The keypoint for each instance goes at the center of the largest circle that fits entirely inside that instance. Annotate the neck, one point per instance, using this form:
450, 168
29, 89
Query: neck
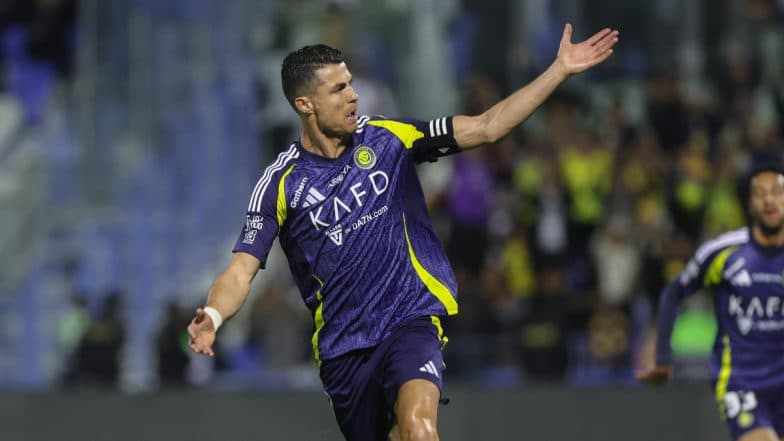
319, 143
773, 240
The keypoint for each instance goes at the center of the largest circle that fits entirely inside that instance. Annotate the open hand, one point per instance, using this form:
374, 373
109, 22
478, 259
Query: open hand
578, 57
202, 333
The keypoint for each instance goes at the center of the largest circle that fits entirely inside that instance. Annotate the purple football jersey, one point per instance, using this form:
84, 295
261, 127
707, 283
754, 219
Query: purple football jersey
356, 232
747, 280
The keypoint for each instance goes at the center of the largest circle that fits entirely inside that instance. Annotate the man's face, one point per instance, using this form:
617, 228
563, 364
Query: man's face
335, 101
766, 203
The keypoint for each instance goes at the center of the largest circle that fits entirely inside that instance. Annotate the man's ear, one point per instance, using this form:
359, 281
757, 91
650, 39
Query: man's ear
303, 105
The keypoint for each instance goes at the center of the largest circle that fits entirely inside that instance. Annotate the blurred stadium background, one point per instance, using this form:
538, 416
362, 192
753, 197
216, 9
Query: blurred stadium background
132, 131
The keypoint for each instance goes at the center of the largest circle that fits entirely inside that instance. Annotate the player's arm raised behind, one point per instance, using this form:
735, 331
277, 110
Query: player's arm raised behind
499, 120
227, 294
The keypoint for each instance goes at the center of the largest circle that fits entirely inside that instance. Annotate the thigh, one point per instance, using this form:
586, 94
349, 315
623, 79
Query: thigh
352, 384
416, 411
414, 354
759, 434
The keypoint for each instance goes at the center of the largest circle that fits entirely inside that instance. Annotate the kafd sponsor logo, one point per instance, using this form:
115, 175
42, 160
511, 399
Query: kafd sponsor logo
330, 213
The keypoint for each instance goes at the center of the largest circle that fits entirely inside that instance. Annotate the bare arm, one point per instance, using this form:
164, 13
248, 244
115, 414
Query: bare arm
227, 294
499, 120
232, 286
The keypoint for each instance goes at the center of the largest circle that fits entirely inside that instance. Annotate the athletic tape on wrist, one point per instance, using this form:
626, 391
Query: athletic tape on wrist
217, 320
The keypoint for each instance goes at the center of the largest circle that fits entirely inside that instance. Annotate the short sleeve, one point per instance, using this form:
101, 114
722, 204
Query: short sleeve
706, 267
262, 220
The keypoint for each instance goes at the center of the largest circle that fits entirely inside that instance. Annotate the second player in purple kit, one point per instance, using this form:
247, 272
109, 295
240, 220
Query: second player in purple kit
745, 271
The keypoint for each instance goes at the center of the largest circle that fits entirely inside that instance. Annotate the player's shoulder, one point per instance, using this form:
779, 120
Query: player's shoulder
282, 162
712, 247
284, 156
435, 126
373, 122
267, 184
406, 130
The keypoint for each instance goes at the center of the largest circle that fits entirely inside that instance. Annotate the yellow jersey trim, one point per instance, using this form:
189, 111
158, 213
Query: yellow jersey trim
406, 133
437, 323
716, 268
433, 285
724, 373
282, 197
318, 318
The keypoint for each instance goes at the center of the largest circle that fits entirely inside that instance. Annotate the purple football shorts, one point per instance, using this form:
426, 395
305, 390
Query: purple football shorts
362, 385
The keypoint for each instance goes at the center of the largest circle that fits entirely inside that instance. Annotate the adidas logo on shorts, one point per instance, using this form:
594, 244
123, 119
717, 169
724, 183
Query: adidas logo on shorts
429, 367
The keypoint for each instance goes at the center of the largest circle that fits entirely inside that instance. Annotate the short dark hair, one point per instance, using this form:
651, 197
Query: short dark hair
299, 68
745, 190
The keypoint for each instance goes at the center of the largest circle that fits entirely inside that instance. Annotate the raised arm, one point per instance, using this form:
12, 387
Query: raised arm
499, 120
227, 294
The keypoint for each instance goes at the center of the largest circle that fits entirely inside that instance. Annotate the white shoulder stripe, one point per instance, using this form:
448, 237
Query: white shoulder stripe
432, 133
286, 160
266, 174
361, 122
261, 185
443, 126
735, 237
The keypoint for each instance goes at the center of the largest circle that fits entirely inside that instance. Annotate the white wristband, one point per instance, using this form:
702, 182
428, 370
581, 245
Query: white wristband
217, 320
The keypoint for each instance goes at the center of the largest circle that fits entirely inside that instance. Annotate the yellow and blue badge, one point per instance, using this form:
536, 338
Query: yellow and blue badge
364, 157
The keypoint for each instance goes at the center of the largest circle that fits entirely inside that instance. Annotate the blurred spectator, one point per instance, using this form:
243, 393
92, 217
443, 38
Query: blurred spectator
50, 34
667, 111
541, 208
502, 320
173, 350
517, 264
467, 345
97, 357
278, 326
618, 261
585, 168
469, 201
723, 211
609, 341
689, 186
545, 328
70, 331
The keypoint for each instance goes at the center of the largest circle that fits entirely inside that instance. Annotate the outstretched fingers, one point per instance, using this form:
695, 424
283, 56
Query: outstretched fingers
601, 56
606, 42
595, 38
603, 47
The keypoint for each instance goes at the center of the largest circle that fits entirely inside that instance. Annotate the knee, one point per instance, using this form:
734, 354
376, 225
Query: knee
422, 429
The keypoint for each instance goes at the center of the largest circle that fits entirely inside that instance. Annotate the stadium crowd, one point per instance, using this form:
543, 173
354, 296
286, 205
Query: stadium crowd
562, 235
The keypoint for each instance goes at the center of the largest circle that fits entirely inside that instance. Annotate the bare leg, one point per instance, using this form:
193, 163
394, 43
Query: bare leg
394, 434
760, 434
416, 412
